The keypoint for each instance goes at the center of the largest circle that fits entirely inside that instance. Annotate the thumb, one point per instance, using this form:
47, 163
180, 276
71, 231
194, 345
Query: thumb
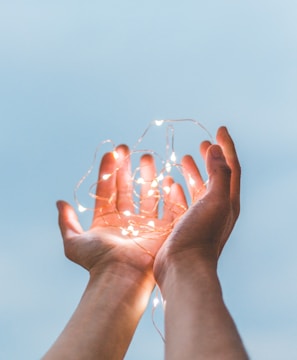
68, 221
218, 171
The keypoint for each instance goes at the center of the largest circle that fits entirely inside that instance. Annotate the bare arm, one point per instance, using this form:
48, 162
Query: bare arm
105, 320
197, 322
121, 272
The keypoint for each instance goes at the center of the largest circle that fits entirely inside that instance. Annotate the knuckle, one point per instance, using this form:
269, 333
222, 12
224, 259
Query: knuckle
226, 170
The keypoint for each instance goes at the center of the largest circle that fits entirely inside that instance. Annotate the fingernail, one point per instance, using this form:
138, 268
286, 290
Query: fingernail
227, 131
58, 204
216, 151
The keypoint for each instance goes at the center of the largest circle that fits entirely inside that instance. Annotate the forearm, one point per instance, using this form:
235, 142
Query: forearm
197, 322
105, 320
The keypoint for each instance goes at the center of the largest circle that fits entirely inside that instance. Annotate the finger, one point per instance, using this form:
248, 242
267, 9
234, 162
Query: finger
219, 172
203, 148
192, 176
124, 180
106, 186
166, 185
177, 200
149, 190
227, 144
68, 221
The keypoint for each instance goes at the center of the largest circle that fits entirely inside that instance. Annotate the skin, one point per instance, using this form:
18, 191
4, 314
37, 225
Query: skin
185, 267
121, 272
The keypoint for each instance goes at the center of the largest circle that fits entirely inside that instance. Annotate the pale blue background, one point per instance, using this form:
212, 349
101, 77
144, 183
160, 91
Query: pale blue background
73, 73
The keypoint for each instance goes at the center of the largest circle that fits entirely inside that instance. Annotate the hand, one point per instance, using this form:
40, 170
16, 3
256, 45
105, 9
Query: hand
120, 263
104, 245
197, 322
203, 230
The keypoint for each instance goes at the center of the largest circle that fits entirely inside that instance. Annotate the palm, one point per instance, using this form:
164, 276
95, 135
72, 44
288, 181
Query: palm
118, 233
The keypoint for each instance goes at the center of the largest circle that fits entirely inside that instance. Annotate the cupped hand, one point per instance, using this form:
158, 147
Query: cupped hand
203, 230
105, 243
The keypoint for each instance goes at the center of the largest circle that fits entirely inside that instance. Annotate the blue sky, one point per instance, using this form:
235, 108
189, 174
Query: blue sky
75, 73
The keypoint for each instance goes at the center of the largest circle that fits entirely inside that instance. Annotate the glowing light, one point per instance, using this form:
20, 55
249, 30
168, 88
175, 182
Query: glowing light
130, 230
191, 181
140, 181
173, 157
139, 222
106, 176
81, 208
154, 183
151, 223
115, 154
168, 166
160, 177
166, 189
159, 122
156, 302
135, 232
150, 192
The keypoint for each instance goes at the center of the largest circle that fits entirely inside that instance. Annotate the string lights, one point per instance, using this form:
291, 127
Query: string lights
157, 300
134, 223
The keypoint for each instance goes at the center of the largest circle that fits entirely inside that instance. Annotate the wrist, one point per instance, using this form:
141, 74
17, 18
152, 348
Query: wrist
106, 318
186, 269
123, 277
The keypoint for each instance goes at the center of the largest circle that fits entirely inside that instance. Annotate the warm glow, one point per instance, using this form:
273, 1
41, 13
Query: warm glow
166, 189
168, 167
191, 181
151, 223
140, 181
159, 122
150, 192
156, 302
173, 157
146, 182
115, 154
154, 183
160, 177
130, 230
106, 176
81, 208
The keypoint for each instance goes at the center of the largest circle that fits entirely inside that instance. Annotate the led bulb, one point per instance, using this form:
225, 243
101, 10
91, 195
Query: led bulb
159, 122
191, 181
156, 302
81, 208
166, 189
168, 167
150, 192
154, 183
173, 157
140, 181
160, 177
134, 222
115, 154
151, 223
106, 176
